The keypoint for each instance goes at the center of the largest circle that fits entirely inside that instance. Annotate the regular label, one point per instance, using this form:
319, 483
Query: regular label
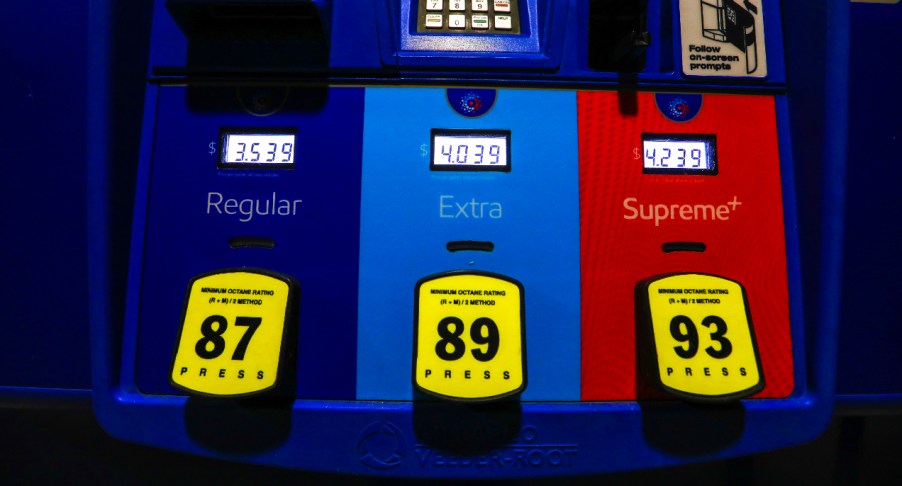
702, 344
469, 336
231, 340
723, 38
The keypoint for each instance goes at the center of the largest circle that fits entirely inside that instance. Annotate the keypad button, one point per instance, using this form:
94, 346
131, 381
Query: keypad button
480, 22
463, 17
502, 6
434, 21
457, 21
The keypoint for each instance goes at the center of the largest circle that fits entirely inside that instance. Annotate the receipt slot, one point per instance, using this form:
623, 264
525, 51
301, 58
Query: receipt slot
402, 238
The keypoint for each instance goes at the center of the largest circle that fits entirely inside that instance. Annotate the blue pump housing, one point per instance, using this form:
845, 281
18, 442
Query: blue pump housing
363, 101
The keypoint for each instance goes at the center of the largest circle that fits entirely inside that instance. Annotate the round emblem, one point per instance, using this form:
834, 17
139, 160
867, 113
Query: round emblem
471, 102
679, 107
381, 446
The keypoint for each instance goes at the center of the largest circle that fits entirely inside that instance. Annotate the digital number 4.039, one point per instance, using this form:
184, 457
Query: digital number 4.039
462, 154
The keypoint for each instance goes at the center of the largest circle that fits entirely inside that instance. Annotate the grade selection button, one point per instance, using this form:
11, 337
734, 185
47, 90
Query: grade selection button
434, 21
232, 340
503, 22
696, 338
469, 336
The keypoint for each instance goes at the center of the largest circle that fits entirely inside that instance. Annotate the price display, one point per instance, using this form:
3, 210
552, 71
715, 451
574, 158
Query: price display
469, 336
249, 149
471, 150
232, 337
679, 154
696, 337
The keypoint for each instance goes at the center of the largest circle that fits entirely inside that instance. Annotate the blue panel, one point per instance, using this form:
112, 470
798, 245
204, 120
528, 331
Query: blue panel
43, 277
870, 331
317, 244
409, 214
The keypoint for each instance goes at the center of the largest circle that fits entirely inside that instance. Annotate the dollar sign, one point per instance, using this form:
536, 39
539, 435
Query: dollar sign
423, 150
212, 148
636, 153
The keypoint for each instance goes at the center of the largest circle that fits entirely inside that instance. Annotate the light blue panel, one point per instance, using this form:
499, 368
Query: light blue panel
404, 233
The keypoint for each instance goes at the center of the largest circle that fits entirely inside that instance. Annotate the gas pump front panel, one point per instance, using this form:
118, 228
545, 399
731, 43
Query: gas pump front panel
427, 244
388, 276
471, 238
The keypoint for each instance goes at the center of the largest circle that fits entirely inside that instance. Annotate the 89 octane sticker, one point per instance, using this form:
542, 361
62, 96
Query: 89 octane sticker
469, 340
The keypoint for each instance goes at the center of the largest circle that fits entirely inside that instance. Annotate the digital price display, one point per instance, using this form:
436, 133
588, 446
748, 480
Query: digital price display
471, 150
247, 148
679, 154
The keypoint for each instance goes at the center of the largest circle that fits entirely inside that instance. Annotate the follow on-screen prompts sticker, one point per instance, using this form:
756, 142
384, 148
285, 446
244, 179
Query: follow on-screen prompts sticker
232, 338
696, 337
469, 339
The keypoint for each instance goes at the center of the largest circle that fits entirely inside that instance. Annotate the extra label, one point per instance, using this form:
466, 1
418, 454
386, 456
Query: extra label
696, 337
231, 341
723, 38
469, 340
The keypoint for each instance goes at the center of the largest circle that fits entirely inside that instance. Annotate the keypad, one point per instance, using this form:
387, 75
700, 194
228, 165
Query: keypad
468, 17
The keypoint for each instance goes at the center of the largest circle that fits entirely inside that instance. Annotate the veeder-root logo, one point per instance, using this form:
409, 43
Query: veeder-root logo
381, 446
471, 102
525, 452
679, 107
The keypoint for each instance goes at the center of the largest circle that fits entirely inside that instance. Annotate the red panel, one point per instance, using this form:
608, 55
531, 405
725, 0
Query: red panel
746, 244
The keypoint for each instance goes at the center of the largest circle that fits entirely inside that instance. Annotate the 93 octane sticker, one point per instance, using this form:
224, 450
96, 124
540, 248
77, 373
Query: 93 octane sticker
469, 336
231, 339
699, 343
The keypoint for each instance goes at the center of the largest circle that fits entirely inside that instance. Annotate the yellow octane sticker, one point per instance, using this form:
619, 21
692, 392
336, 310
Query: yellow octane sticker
231, 338
703, 337
469, 334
